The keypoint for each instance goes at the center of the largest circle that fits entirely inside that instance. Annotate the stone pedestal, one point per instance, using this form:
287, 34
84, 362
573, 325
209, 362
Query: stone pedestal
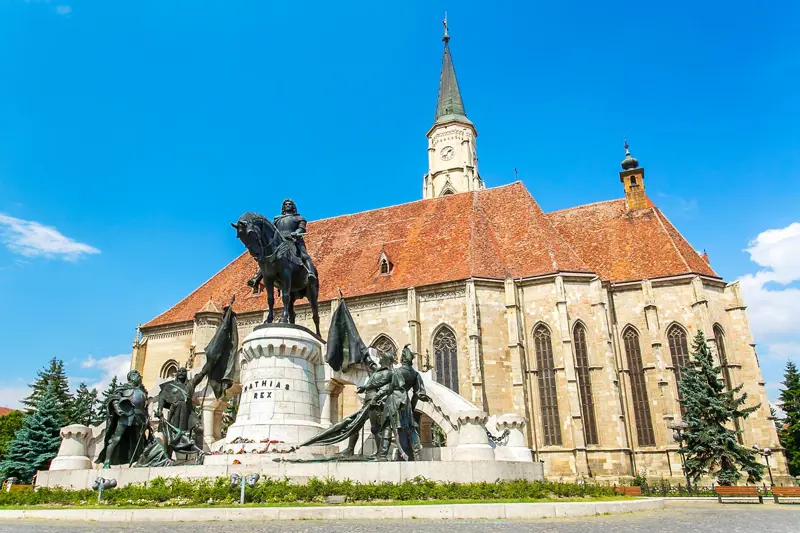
473, 443
280, 400
513, 448
72, 454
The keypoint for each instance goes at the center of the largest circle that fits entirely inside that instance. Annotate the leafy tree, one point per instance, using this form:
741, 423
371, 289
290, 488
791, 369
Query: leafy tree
789, 433
85, 407
103, 414
9, 425
709, 412
36, 444
52, 374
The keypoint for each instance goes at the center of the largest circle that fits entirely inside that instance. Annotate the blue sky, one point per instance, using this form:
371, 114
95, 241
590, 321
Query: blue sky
131, 134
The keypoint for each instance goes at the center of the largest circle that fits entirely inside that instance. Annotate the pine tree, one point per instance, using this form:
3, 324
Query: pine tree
36, 444
103, 415
85, 407
790, 430
709, 411
51, 374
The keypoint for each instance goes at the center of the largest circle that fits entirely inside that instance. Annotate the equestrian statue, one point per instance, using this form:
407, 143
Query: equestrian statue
283, 261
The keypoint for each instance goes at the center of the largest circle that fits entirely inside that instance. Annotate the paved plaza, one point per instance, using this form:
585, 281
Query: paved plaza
679, 517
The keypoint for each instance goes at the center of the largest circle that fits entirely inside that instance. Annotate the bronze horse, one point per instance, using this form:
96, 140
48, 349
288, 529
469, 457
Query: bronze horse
279, 265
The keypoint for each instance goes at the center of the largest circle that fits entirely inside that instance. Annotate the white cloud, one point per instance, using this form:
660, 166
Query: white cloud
63, 10
12, 396
108, 367
783, 351
773, 304
32, 239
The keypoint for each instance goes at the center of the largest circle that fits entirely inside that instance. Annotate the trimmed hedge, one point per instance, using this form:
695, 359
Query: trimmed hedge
177, 492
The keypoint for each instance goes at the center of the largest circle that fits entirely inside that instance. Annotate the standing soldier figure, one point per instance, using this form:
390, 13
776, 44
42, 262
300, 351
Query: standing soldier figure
413, 384
126, 422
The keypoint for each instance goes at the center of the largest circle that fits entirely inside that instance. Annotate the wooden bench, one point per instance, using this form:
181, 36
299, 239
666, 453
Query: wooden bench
785, 492
738, 493
628, 491
21, 487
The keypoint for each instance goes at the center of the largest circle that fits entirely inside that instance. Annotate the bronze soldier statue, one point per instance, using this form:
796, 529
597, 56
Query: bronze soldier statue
374, 414
391, 397
292, 226
181, 427
413, 384
125, 423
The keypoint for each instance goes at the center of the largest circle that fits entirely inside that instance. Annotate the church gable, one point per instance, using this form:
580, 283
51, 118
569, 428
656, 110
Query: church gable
622, 245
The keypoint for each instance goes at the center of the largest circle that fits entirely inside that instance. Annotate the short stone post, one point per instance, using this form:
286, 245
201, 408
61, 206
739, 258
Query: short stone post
211, 419
512, 447
473, 442
72, 453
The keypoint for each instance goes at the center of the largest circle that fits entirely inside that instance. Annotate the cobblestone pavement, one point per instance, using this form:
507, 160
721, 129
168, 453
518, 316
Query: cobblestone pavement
677, 518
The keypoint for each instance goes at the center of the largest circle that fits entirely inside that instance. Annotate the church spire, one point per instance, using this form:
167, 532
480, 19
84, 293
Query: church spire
452, 152
449, 106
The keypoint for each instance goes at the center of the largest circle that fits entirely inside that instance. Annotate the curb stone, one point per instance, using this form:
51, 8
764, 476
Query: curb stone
486, 511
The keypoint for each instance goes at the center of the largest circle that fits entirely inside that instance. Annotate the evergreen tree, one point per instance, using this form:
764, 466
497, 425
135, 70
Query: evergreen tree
9, 425
54, 374
778, 421
36, 444
709, 411
789, 433
85, 407
103, 415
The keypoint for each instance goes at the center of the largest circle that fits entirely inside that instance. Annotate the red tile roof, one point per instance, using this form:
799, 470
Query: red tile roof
492, 233
5, 410
622, 246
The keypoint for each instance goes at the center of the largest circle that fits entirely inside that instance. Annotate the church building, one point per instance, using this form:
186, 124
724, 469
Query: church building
578, 321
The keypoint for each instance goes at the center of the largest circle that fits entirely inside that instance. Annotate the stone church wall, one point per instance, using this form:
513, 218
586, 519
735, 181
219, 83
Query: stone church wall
494, 324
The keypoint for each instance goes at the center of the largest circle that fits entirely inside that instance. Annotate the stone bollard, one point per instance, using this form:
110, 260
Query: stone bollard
473, 443
512, 448
72, 452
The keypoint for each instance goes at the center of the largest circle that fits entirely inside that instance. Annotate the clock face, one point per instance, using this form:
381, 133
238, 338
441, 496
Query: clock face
447, 153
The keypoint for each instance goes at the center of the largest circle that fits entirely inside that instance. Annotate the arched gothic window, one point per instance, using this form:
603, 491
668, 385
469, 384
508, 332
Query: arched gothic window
384, 343
641, 404
446, 355
584, 383
169, 369
679, 350
548, 397
719, 338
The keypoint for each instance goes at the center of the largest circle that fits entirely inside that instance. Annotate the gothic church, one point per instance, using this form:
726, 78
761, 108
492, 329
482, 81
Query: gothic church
578, 320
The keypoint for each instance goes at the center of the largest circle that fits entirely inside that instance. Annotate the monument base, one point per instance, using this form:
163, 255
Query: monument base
301, 473
279, 400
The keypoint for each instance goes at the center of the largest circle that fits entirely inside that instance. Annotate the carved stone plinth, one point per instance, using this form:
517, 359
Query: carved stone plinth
279, 399
513, 447
72, 454
473, 444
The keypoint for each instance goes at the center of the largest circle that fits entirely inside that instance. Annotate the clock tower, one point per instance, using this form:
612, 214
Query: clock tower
452, 152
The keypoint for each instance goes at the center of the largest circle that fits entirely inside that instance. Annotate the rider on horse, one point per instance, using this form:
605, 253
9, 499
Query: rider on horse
292, 226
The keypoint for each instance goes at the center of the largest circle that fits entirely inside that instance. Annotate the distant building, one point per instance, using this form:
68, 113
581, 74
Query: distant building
577, 320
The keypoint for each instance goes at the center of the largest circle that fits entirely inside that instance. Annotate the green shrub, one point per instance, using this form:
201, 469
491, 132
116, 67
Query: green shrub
174, 491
